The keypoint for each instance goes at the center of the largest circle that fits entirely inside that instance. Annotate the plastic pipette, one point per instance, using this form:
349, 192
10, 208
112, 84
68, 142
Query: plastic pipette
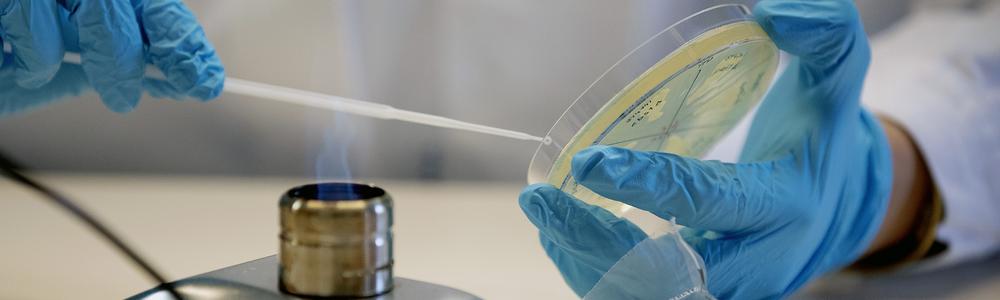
358, 107
336, 103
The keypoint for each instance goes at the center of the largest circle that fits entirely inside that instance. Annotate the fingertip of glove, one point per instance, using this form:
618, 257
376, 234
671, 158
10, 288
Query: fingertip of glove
805, 28
210, 88
36, 78
588, 159
809, 12
532, 200
120, 107
534, 188
201, 81
121, 99
547, 207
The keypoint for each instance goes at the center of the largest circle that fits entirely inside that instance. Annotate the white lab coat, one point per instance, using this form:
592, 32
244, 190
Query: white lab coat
938, 73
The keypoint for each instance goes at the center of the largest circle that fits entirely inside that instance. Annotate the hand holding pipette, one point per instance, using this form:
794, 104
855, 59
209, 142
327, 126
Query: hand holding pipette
115, 39
335, 103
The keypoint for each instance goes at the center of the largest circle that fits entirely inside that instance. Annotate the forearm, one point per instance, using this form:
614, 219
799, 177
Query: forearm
911, 187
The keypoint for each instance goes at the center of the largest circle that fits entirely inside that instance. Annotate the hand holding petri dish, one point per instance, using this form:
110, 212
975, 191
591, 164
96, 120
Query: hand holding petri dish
679, 92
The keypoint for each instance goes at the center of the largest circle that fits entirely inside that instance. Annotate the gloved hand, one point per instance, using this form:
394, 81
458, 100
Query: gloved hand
115, 38
807, 197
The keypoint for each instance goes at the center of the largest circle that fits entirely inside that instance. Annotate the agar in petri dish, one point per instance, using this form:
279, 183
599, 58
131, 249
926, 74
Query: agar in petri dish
680, 92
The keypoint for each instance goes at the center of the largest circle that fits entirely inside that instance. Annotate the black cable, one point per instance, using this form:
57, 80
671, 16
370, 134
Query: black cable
14, 172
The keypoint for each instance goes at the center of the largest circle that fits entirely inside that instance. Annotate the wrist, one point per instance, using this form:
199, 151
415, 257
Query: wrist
912, 212
910, 187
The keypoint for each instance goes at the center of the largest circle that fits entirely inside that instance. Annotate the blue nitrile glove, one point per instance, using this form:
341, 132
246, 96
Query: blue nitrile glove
115, 38
807, 197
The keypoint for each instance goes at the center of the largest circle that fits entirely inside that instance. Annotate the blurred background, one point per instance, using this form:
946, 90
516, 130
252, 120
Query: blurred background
510, 64
195, 185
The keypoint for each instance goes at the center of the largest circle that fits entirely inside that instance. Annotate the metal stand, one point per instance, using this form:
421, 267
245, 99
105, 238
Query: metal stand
258, 279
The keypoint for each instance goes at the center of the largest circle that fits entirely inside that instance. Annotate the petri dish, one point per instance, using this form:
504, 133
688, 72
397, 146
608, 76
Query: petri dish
680, 91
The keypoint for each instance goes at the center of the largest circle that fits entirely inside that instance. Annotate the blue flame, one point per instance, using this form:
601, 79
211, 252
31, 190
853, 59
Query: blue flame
333, 160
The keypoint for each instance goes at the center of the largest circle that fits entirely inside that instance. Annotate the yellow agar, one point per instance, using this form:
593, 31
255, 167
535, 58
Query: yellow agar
683, 104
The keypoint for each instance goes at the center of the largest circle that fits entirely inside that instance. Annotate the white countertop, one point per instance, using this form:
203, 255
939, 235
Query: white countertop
467, 235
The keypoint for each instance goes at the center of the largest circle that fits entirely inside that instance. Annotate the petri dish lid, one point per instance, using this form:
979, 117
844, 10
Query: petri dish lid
680, 91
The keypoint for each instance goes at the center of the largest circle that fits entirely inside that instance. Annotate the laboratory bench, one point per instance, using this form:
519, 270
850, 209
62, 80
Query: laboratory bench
467, 235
